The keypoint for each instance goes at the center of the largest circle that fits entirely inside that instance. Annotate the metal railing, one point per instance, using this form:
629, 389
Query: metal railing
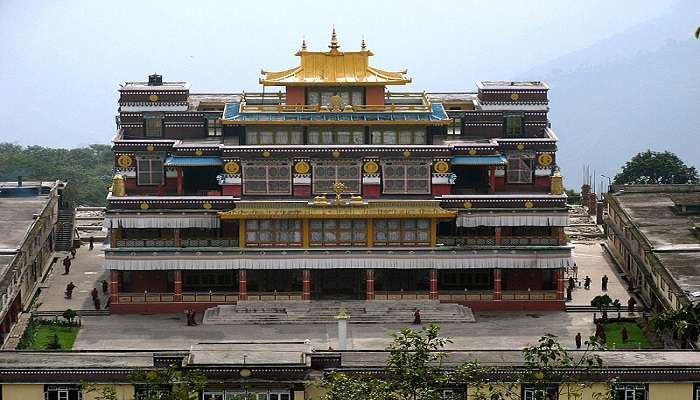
528, 241
275, 103
171, 243
529, 295
469, 295
273, 296
190, 297
401, 295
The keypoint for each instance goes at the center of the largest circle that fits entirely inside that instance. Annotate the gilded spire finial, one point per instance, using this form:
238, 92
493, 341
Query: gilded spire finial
303, 44
364, 45
334, 41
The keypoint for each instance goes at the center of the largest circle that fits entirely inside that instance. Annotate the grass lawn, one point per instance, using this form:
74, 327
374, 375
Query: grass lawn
44, 334
636, 338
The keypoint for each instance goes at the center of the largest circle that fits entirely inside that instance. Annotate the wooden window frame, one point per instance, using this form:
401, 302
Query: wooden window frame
354, 132
402, 241
266, 178
512, 129
274, 231
150, 172
525, 167
406, 177
336, 165
354, 230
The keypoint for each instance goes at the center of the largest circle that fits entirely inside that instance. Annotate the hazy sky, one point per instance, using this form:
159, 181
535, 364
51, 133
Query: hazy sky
61, 61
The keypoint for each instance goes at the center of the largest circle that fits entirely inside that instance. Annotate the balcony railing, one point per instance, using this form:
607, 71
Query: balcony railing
470, 295
275, 103
273, 296
401, 295
208, 243
213, 297
171, 243
529, 241
460, 241
529, 295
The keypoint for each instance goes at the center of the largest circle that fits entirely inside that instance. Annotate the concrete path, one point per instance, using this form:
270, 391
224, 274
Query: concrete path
592, 260
86, 273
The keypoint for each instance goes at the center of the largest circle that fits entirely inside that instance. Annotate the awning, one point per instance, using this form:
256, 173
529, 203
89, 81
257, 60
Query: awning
200, 161
162, 221
334, 261
470, 220
479, 160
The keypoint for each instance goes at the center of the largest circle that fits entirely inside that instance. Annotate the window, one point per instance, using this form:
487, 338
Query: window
336, 135
635, 391
149, 171
273, 233
549, 392
274, 135
696, 391
258, 395
513, 124
213, 395
62, 392
143, 392
153, 125
342, 232
406, 177
322, 96
214, 127
520, 166
398, 232
453, 394
398, 136
325, 175
261, 178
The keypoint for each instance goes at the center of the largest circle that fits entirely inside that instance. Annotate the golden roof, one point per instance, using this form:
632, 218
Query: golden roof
334, 68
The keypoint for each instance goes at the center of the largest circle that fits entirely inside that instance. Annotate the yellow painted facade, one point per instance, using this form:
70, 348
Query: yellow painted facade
671, 391
22, 392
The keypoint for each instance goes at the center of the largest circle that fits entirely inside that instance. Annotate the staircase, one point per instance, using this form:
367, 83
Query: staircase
325, 311
64, 230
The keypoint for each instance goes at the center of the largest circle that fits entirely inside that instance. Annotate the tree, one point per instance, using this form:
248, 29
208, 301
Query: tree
415, 371
54, 344
169, 384
652, 167
69, 315
602, 303
683, 324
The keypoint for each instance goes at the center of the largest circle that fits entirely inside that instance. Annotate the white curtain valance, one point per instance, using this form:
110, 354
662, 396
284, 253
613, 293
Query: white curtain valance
511, 219
396, 262
162, 221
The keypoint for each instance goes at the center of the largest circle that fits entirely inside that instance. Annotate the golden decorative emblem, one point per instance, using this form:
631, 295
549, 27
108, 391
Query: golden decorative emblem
514, 96
441, 167
198, 152
339, 188
231, 167
153, 97
407, 153
371, 167
150, 147
124, 161
545, 159
336, 103
302, 167
472, 152
207, 205
266, 154
528, 204
520, 146
144, 206
245, 372
467, 204
335, 153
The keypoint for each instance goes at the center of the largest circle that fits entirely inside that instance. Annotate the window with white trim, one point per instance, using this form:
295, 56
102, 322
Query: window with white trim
513, 124
340, 232
153, 125
336, 135
520, 167
62, 392
267, 178
325, 175
149, 171
273, 232
271, 134
398, 135
401, 232
406, 177
631, 391
322, 96
548, 392
214, 127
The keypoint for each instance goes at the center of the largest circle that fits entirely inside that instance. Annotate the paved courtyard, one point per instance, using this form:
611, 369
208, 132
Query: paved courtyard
493, 330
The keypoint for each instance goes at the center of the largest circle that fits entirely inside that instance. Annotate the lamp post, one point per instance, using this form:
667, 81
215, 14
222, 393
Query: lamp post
609, 181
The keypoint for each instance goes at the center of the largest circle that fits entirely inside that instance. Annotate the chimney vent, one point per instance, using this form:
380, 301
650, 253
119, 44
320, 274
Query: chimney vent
155, 80
19, 181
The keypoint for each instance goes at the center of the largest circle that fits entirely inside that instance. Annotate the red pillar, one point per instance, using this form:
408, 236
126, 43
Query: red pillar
114, 295
178, 286
560, 235
370, 284
242, 285
559, 283
180, 180
497, 284
492, 179
433, 285
306, 284
498, 235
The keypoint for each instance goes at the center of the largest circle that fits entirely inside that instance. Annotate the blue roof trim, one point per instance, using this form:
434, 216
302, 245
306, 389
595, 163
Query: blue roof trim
201, 161
479, 160
232, 113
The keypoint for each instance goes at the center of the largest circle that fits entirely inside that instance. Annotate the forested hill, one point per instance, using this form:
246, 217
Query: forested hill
87, 170
634, 91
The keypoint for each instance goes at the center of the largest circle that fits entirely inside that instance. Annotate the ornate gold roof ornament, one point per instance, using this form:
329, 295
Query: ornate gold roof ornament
363, 46
303, 44
334, 46
118, 185
339, 188
557, 183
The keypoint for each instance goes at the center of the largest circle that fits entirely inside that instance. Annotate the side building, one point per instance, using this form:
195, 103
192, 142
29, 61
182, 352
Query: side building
335, 187
653, 233
29, 214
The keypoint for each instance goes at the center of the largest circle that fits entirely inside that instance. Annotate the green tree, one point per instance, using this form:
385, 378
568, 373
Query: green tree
683, 324
69, 315
54, 344
169, 384
651, 167
602, 303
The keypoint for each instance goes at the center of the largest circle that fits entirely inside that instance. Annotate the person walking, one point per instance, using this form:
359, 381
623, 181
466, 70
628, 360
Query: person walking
73, 251
416, 317
97, 303
66, 265
631, 303
625, 334
604, 283
105, 286
572, 283
92, 242
94, 294
587, 283
69, 290
577, 339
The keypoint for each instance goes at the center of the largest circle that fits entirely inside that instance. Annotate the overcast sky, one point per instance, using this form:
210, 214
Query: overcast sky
61, 61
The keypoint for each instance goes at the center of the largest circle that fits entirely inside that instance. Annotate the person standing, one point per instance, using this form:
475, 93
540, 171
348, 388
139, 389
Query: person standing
66, 265
578, 340
73, 251
572, 283
604, 283
631, 303
92, 242
69, 289
416, 317
587, 283
105, 286
625, 335
94, 294
97, 303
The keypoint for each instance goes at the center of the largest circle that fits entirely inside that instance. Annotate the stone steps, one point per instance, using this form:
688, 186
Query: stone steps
324, 312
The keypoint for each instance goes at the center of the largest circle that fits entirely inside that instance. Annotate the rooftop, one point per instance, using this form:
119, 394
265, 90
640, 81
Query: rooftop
144, 86
512, 85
